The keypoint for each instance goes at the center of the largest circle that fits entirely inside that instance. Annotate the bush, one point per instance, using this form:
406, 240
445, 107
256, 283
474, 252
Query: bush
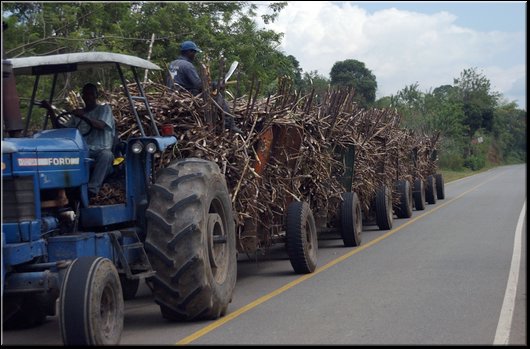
451, 161
475, 162
515, 157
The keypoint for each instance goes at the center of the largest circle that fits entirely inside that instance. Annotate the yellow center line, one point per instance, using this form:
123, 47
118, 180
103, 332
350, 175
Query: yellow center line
227, 318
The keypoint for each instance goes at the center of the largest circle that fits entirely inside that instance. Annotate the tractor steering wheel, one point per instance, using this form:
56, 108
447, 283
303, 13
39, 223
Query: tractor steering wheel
84, 127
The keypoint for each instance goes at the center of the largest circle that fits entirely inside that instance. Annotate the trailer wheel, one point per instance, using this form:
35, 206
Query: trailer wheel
430, 190
383, 208
91, 303
302, 241
191, 241
440, 186
351, 223
405, 199
419, 195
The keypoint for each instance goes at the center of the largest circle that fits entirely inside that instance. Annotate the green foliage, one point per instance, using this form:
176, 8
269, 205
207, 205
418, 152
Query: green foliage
353, 73
317, 82
276, 8
509, 128
451, 155
462, 113
385, 102
223, 30
475, 162
478, 101
451, 160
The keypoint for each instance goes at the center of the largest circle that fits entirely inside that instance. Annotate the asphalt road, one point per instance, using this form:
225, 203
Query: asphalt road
439, 277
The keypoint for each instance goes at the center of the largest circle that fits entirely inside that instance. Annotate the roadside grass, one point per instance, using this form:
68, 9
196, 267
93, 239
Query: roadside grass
453, 175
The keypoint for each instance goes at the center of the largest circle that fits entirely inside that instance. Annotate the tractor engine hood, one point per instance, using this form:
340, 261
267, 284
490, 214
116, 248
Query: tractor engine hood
58, 158
49, 140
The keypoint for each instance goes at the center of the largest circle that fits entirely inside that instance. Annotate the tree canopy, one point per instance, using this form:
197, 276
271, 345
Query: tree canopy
353, 73
476, 126
220, 29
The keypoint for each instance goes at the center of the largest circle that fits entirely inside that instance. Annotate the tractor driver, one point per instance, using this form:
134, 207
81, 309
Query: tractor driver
98, 128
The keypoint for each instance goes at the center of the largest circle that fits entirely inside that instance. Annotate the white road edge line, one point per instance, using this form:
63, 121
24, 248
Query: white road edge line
502, 335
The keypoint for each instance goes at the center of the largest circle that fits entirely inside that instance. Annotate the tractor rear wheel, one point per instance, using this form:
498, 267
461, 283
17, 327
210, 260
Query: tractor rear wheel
302, 240
419, 195
405, 199
351, 223
191, 241
383, 208
91, 303
430, 190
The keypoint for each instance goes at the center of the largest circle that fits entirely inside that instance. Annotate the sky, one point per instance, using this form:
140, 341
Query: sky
404, 43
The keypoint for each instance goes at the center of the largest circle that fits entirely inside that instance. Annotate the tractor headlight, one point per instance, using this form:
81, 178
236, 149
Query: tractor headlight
150, 148
137, 147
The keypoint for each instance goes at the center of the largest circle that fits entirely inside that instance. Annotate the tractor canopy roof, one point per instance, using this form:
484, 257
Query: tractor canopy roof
69, 62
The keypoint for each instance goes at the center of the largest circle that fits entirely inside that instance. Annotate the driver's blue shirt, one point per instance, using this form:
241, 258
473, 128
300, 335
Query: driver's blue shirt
97, 139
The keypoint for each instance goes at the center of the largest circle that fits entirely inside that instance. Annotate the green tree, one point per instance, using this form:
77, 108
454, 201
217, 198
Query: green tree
436, 111
223, 30
353, 73
312, 80
478, 101
295, 70
463, 113
509, 129
444, 112
385, 102
410, 102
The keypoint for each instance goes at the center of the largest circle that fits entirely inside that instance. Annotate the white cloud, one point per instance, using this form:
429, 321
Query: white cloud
399, 47
510, 82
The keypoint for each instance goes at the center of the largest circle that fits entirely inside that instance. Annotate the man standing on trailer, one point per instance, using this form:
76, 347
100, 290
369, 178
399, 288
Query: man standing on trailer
184, 75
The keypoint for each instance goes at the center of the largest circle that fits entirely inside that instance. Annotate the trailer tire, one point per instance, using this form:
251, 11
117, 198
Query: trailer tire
419, 195
440, 186
91, 303
191, 241
430, 190
405, 199
351, 222
383, 208
301, 235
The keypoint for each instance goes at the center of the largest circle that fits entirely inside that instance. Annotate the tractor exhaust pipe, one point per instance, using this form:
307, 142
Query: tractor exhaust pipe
10, 102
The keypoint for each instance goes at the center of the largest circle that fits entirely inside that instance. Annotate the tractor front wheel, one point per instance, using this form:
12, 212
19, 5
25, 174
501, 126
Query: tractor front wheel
91, 303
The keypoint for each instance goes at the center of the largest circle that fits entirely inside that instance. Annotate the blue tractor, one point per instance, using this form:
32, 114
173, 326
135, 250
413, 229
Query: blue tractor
61, 254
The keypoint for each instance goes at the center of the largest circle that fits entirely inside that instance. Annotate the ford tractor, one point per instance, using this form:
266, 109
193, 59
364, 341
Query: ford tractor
63, 255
